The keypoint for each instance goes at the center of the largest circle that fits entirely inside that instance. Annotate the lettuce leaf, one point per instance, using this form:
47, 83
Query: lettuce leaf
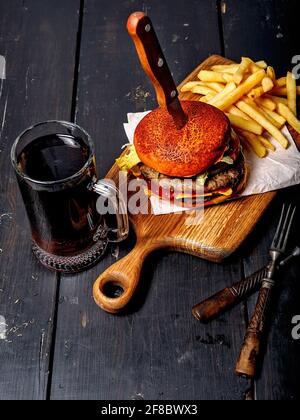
201, 179
129, 160
228, 160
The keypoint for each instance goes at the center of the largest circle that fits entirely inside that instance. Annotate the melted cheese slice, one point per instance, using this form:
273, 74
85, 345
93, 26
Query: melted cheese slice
222, 191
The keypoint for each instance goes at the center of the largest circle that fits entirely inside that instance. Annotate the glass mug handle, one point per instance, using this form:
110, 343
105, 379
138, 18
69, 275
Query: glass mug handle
109, 191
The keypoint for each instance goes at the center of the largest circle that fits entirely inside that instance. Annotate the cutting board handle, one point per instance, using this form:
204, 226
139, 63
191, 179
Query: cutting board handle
123, 276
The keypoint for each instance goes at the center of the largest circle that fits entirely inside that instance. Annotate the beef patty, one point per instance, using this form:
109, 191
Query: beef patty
226, 176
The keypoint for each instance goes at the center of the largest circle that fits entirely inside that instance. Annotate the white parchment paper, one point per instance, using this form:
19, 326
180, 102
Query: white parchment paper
280, 169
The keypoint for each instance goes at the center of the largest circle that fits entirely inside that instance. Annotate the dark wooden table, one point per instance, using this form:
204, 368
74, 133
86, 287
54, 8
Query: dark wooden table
73, 60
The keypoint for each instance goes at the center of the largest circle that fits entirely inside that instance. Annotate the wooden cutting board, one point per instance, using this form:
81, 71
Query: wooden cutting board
220, 233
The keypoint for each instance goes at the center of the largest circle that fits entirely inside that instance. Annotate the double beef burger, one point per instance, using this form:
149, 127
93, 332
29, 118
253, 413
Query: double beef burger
206, 151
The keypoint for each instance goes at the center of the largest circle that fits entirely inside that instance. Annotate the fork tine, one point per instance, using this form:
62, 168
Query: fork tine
283, 230
284, 227
278, 230
289, 228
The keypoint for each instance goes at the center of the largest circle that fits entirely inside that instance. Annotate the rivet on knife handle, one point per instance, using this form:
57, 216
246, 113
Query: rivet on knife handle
153, 61
213, 306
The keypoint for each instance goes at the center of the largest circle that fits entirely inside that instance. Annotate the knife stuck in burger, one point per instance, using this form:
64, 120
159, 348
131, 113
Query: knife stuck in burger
181, 140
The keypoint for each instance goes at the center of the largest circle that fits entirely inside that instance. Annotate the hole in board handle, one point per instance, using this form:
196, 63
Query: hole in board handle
112, 289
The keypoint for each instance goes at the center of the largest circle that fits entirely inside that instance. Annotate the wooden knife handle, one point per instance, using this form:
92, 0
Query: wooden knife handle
249, 356
122, 277
223, 300
141, 30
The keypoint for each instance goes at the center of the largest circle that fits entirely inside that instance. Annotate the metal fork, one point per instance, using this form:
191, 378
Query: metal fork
249, 356
226, 298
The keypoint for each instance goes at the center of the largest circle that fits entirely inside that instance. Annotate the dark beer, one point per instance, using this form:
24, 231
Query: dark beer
56, 172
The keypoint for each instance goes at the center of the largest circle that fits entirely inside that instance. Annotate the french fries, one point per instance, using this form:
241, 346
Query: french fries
291, 92
254, 143
259, 144
271, 73
218, 87
211, 76
277, 99
190, 85
267, 84
243, 67
233, 110
262, 111
232, 68
262, 64
289, 116
240, 91
248, 125
256, 93
254, 67
266, 103
221, 95
206, 98
257, 104
225, 68
202, 90
281, 82
228, 77
273, 116
279, 91
264, 122
266, 143
282, 91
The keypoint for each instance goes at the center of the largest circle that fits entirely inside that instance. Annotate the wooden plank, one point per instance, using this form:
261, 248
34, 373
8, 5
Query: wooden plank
274, 39
279, 378
38, 40
265, 30
119, 85
156, 350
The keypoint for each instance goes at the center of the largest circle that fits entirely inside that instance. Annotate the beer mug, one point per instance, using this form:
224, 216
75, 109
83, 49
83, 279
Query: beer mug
55, 166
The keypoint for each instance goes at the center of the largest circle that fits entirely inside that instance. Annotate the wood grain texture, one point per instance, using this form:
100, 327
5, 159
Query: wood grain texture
38, 41
269, 29
278, 376
156, 350
266, 29
219, 234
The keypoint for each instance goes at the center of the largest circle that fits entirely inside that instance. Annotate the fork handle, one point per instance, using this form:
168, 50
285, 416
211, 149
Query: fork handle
249, 356
223, 300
